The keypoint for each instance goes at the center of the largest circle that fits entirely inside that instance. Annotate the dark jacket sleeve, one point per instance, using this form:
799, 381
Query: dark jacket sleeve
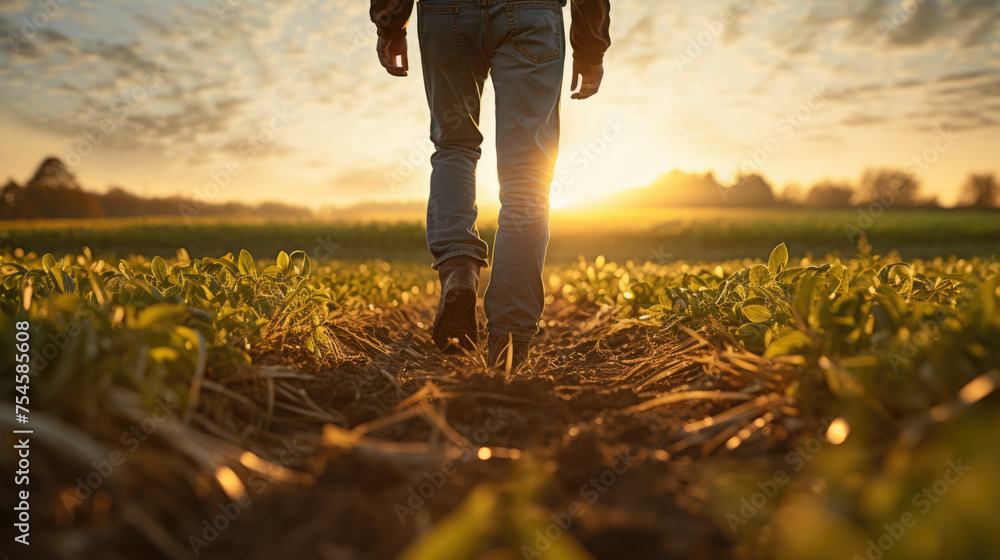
588, 34
391, 16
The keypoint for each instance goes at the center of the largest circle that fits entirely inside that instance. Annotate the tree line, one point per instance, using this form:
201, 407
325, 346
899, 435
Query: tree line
889, 187
53, 192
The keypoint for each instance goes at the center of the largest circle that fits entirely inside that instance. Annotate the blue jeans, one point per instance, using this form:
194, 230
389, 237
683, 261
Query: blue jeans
523, 45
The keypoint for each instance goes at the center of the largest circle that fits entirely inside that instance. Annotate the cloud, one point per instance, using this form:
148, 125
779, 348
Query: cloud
862, 119
23, 39
225, 71
907, 23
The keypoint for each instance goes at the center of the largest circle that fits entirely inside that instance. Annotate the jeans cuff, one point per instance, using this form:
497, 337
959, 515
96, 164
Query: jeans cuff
459, 253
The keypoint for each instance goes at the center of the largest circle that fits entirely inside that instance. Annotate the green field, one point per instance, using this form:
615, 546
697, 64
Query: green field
654, 234
704, 385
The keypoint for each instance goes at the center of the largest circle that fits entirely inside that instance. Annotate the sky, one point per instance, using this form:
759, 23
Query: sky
281, 100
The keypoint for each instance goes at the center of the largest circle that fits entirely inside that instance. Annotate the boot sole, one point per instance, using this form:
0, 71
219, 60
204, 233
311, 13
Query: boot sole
457, 319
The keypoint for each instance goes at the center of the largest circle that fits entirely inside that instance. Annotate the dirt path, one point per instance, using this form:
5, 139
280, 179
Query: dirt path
614, 414
586, 404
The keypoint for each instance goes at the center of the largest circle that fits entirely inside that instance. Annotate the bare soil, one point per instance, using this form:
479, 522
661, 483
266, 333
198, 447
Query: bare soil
614, 412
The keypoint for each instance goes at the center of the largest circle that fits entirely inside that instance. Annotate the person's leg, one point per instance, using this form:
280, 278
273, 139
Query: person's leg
455, 66
527, 71
455, 63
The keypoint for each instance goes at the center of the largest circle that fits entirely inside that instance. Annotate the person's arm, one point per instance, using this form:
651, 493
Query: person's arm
390, 18
589, 33
590, 38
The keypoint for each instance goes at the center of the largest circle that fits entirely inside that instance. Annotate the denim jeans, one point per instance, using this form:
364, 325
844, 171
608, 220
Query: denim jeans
522, 44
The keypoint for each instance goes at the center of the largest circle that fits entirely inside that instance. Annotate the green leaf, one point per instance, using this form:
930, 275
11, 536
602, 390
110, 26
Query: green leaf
246, 264
148, 288
66, 283
272, 271
163, 354
322, 336
795, 342
463, 533
161, 315
759, 275
779, 258
790, 274
227, 264
98, 288
125, 269
283, 261
756, 313
693, 283
804, 296
741, 290
10, 269
752, 335
894, 304
306, 265
48, 262
159, 268
884, 274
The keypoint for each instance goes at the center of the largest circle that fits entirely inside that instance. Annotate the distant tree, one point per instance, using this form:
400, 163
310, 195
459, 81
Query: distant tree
750, 190
890, 187
53, 174
791, 194
53, 192
119, 202
828, 194
57, 202
981, 191
675, 189
280, 209
15, 204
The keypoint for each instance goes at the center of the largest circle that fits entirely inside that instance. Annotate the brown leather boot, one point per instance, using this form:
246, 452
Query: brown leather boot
456, 314
500, 348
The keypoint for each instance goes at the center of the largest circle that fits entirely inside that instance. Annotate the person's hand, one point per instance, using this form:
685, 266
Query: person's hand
589, 77
388, 50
